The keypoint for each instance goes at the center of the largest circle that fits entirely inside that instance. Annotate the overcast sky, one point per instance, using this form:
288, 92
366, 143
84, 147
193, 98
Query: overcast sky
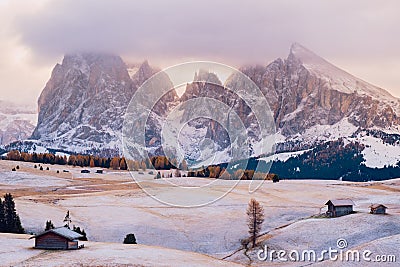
361, 36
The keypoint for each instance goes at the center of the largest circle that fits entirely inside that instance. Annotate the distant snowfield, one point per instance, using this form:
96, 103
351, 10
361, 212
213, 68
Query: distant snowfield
109, 206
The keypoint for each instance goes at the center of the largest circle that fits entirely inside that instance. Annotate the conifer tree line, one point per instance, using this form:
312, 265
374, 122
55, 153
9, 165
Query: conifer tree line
9, 219
73, 160
115, 163
156, 162
221, 173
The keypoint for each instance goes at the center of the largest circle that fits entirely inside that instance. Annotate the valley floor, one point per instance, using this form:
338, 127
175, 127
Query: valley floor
110, 205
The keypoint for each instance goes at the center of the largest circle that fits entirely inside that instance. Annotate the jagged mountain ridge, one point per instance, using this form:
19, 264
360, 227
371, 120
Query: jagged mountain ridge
298, 90
82, 106
314, 102
82, 103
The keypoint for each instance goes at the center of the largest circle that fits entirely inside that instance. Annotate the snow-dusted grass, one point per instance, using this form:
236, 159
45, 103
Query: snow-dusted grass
109, 206
16, 250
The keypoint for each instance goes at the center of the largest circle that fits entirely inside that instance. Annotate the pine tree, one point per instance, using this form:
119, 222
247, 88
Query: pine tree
136, 165
143, 165
148, 163
81, 232
167, 164
72, 160
49, 225
67, 219
238, 174
84, 238
122, 164
156, 163
225, 175
12, 221
255, 213
159, 163
114, 164
2, 217
173, 163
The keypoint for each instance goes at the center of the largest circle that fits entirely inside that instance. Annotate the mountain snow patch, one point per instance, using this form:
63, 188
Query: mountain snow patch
378, 154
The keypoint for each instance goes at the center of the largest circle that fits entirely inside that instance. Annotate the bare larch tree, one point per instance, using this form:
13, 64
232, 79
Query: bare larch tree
255, 213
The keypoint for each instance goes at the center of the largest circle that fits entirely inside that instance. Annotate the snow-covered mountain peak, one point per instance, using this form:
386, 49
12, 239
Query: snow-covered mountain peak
305, 55
17, 122
142, 73
206, 76
339, 79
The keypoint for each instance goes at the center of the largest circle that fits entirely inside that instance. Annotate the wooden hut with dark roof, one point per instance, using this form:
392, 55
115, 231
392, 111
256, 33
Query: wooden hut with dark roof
378, 209
57, 238
339, 207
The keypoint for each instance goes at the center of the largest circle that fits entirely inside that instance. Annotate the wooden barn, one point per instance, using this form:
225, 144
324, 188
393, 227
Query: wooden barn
58, 238
378, 209
339, 207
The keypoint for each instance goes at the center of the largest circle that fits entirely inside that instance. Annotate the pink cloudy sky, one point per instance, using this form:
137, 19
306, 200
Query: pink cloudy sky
360, 36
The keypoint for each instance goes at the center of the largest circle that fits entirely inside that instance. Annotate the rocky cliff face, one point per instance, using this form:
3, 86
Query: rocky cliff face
304, 90
83, 104
313, 102
82, 107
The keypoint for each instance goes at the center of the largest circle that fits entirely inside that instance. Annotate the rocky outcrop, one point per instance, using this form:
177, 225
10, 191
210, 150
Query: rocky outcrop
83, 104
302, 95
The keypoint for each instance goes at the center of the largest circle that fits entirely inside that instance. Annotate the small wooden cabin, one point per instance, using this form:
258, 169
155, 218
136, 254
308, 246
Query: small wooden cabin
99, 171
339, 207
378, 209
57, 238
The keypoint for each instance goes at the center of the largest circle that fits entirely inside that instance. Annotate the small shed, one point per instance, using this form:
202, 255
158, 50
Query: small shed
99, 171
57, 238
378, 209
85, 171
339, 207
